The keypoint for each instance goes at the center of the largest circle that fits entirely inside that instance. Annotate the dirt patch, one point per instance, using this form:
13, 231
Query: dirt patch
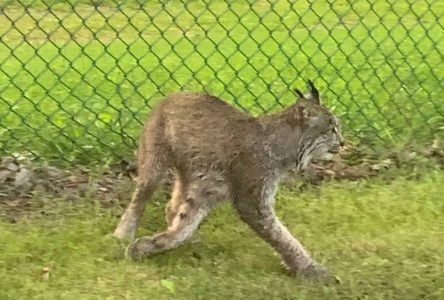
22, 179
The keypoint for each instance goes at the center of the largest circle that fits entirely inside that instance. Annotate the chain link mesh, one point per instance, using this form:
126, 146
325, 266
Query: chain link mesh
77, 78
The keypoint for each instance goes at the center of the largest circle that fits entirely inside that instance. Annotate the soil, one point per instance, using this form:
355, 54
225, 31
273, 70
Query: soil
22, 179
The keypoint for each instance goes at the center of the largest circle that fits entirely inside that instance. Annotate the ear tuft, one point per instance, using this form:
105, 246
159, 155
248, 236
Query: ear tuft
314, 93
299, 93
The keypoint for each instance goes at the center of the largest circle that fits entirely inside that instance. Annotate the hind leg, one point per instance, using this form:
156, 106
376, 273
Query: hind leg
130, 219
182, 228
190, 213
151, 171
177, 198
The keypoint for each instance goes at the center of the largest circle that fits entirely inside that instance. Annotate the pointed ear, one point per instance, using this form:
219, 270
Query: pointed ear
295, 117
314, 93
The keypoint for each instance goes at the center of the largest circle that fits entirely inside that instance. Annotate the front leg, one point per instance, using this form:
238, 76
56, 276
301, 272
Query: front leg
259, 214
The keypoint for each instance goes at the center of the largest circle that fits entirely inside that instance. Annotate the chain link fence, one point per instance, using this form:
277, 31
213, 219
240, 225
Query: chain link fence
77, 78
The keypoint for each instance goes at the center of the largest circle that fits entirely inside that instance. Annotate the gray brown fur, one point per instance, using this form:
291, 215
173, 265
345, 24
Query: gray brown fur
218, 153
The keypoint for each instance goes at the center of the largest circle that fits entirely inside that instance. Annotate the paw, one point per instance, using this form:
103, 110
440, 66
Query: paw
138, 249
143, 247
317, 272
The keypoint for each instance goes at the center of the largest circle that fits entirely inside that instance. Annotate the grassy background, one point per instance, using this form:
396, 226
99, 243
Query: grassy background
383, 240
76, 80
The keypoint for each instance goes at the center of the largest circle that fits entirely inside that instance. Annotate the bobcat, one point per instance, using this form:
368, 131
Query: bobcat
218, 153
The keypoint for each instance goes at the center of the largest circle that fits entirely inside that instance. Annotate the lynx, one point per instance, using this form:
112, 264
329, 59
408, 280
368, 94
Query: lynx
219, 153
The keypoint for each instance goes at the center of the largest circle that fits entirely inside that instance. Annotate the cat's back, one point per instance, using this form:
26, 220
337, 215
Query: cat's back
190, 105
206, 124
203, 112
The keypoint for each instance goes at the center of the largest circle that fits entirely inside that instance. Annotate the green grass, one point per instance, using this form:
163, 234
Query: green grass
75, 82
385, 241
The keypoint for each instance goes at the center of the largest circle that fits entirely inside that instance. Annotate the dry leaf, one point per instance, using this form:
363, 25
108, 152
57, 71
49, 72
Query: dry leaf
5, 174
8, 171
45, 273
23, 178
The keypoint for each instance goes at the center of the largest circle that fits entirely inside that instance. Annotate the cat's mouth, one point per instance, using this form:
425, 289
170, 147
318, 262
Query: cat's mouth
334, 151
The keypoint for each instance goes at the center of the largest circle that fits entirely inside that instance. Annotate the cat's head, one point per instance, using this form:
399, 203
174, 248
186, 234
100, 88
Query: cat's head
321, 131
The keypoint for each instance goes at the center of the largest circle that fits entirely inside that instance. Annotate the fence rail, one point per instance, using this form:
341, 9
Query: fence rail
77, 78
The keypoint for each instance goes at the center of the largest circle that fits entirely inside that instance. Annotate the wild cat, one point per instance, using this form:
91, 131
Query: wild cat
219, 153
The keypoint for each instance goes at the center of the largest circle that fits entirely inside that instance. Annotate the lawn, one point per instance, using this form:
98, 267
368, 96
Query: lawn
77, 80
383, 240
